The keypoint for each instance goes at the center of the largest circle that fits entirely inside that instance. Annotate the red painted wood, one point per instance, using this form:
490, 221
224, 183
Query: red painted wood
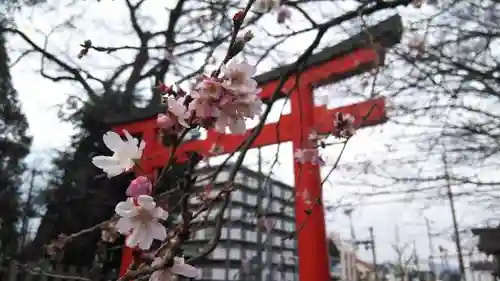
311, 237
311, 244
271, 133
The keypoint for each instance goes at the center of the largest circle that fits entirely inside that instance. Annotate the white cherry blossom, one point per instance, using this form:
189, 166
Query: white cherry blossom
177, 109
264, 6
238, 77
179, 268
125, 153
139, 220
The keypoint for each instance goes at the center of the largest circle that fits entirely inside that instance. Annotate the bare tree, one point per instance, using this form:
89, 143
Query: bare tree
193, 35
443, 86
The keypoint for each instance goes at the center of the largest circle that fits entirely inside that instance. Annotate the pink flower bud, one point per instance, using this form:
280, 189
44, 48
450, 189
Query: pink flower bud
162, 88
164, 121
139, 186
238, 16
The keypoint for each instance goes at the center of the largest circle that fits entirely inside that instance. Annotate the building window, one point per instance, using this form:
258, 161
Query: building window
251, 199
203, 180
277, 191
222, 177
276, 240
251, 236
201, 234
209, 232
275, 206
206, 273
235, 233
253, 182
289, 225
224, 233
276, 258
219, 274
289, 211
237, 196
266, 275
213, 212
237, 213
219, 253
240, 178
288, 194
265, 202
234, 254
233, 273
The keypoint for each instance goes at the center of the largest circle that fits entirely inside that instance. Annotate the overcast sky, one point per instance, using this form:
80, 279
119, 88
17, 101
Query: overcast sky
40, 97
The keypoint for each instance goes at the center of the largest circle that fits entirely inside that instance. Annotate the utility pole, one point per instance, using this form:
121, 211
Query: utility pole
431, 246
374, 253
415, 257
451, 200
370, 243
348, 212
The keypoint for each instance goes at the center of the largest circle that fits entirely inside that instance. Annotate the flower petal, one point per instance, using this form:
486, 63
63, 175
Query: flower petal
105, 162
186, 270
147, 202
133, 239
124, 226
113, 141
238, 126
161, 214
126, 209
145, 239
158, 231
142, 145
157, 276
183, 123
131, 140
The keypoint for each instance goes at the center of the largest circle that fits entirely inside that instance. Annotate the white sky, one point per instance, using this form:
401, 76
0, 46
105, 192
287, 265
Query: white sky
40, 97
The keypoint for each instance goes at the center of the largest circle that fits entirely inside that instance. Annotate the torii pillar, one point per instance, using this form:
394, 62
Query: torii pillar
358, 54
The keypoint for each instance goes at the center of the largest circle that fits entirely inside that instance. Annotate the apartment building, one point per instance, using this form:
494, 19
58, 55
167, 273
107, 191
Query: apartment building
247, 251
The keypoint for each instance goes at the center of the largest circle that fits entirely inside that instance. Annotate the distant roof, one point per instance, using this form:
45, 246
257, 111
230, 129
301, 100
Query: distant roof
386, 33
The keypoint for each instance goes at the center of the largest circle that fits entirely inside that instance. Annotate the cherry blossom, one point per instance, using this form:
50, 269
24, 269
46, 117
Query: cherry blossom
283, 14
139, 220
343, 125
179, 268
306, 197
237, 76
176, 115
264, 6
109, 233
308, 155
139, 186
226, 102
125, 153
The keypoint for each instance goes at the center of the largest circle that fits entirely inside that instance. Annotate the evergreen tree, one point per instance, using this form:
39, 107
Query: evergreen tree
14, 146
80, 196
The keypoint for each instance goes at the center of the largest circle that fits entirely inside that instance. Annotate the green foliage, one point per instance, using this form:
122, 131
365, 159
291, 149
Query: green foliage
14, 146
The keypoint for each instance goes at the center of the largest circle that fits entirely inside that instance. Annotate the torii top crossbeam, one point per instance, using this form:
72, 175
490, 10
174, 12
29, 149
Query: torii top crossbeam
358, 54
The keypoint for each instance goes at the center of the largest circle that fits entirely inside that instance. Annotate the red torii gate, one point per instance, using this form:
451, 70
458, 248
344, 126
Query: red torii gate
356, 55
